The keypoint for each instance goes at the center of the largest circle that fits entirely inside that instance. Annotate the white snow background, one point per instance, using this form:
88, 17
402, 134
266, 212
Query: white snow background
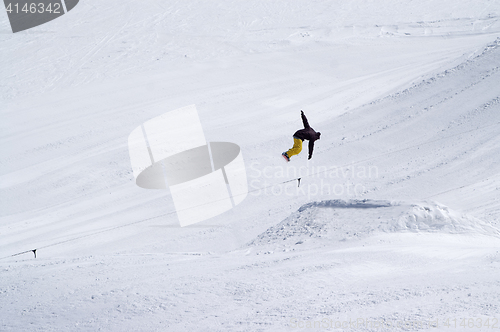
394, 228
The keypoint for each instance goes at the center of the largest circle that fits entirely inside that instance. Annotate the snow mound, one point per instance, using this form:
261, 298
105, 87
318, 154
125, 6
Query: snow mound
340, 220
434, 217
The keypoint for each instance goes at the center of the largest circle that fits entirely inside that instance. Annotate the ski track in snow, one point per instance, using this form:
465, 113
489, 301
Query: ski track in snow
405, 95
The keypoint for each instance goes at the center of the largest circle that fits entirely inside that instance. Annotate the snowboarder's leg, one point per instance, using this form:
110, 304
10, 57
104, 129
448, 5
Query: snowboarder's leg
297, 147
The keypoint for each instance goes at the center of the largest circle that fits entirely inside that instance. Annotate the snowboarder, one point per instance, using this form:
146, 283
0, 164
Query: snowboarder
300, 135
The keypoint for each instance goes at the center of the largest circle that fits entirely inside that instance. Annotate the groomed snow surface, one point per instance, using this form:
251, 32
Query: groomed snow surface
395, 224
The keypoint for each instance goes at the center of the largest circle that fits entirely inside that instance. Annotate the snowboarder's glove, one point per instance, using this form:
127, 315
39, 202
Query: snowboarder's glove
301, 112
309, 157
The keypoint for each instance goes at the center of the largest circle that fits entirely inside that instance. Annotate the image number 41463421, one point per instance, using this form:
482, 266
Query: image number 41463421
26, 14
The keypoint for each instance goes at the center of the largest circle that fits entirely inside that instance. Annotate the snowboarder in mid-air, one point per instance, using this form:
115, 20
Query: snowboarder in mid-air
300, 135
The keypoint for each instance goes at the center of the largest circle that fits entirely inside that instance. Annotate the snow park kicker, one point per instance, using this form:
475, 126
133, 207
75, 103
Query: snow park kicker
394, 226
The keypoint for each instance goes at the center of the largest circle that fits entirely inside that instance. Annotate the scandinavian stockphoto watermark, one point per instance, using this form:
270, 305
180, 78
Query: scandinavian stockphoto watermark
362, 323
26, 14
310, 179
205, 178
447, 323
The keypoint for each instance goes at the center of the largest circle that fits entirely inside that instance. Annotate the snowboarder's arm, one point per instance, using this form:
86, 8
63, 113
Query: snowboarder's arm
311, 148
304, 120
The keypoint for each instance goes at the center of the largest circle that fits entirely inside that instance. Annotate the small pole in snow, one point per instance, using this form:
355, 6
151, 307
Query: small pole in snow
34, 252
299, 181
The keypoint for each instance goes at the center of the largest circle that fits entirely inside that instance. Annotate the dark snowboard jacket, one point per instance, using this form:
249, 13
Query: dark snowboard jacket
307, 134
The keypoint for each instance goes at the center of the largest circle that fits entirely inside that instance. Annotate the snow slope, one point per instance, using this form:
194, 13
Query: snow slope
354, 219
397, 215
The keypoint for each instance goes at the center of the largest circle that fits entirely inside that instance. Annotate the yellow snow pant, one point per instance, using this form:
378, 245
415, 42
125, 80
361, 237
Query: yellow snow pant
297, 147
